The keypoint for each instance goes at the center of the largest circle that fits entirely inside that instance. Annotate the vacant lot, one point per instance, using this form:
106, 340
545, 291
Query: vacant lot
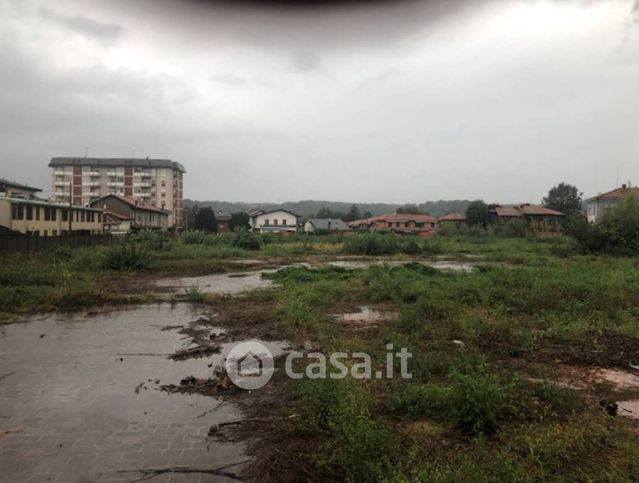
524, 368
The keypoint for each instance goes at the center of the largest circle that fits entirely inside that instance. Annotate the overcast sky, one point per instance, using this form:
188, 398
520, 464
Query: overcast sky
402, 101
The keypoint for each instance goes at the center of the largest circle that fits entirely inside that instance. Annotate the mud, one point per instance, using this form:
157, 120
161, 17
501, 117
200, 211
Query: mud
628, 409
442, 265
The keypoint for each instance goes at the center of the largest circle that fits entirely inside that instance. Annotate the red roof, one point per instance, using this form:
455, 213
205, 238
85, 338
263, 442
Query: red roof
452, 217
538, 210
111, 217
507, 211
617, 194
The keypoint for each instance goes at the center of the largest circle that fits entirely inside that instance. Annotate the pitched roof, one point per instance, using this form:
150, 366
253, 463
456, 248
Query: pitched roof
327, 224
617, 193
111, 217
132, 202
507, 211
268, 212
13, 184
527, 209
117, 162
453, 216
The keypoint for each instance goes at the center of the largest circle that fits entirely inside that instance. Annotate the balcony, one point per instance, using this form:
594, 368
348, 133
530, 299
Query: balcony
61, 183
114, 174
144, 174
91, 184
115, 184
93, 174
59, 172
62, 194
142, 185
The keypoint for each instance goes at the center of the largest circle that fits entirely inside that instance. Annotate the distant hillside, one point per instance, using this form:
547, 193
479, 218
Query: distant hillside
308, 208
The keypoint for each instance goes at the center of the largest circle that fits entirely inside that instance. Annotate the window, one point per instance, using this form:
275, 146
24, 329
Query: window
45, 233
29, 212
54, 232
54, 214
37, 213
47, 214
275, 221
266, 221
18, 212
283, 222
65, 215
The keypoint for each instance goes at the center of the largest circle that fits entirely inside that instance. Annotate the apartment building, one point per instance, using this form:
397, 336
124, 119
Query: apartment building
158, 182
41, 218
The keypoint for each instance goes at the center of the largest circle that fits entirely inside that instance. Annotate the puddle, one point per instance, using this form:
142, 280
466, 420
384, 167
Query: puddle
85, 397
620, 379
628, 409
365, 316
221, 283
443, 265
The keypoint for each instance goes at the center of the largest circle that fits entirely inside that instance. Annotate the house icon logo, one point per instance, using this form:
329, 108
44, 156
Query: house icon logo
249, 365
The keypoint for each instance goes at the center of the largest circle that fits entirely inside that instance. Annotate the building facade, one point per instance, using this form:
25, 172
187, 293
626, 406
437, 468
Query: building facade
398, 223
543, 220
321, 225
41, 218
597, 206
11, 189
157, 182
141, 216
274, 221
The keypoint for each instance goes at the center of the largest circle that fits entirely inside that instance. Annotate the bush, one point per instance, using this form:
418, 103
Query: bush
371, 244
474, 399
194, 294
616, 234
247, 241
127, 256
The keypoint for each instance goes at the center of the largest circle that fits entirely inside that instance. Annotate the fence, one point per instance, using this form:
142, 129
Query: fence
31, 243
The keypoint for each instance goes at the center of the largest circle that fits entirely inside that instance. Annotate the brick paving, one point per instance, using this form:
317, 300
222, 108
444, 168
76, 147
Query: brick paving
69, 410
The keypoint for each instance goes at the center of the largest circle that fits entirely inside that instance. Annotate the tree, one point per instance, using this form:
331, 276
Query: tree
408, 209
190, 214
239, 220
205, 220
477, 213
565, 198
353, 214
367, 214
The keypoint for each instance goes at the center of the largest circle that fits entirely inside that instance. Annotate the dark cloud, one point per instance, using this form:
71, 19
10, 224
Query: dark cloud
103, 31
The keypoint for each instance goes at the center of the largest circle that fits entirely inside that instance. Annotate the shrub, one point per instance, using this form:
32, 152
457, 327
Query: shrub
127, 256
247, 241
194, 294
617, 233
371, 244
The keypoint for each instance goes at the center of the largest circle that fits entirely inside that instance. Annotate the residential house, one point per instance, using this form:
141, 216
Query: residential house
141, 215
398, 223
42, 218
274, 221
452, 218
117, 224
597, 206
11, 189
223, 222
157, 182
544, 220
321, 225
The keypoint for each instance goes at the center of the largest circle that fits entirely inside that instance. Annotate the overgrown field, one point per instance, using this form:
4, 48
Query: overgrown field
499, 358
502, 356
67, 279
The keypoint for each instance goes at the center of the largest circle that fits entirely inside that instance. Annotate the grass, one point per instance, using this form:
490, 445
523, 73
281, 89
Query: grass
483, 402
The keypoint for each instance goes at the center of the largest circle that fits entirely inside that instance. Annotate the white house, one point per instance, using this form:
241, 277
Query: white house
313, 225
274, 221
597, 206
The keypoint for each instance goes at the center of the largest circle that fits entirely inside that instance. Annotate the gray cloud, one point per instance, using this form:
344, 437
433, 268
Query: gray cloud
102, 31
401, 102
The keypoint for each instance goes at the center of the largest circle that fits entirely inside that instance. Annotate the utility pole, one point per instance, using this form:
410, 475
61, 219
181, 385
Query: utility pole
70, 214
